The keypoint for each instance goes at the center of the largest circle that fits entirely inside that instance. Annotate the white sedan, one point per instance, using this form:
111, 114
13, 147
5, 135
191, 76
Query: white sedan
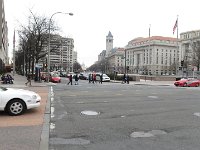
105, 78
16, 101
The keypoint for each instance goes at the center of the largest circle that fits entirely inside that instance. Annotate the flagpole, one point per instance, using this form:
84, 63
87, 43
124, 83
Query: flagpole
177, 65
149, 44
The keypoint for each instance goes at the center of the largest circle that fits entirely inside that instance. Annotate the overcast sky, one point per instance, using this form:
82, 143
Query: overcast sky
93, 19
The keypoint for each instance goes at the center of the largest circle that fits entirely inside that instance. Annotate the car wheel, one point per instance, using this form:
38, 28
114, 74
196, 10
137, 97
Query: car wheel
15, 107
185, 84
197, 85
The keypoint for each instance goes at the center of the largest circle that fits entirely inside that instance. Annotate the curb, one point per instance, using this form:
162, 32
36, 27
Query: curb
44, 139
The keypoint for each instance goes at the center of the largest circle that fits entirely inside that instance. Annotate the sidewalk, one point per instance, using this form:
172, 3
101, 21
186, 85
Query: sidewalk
19, 82
30, 130
148, 82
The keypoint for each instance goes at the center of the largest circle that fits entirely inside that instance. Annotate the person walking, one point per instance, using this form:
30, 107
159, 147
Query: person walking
94, 78
28, 80
127, 79
90, 78
70, 79
124, 79
101, 78
76, 79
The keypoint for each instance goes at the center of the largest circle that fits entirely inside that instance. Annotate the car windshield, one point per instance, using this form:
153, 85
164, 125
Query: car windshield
104, 75
55, 75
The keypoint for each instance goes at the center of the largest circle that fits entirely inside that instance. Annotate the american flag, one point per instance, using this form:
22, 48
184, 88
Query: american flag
175, 26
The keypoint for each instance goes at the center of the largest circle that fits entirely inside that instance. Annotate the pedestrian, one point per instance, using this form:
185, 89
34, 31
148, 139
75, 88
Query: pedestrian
101, 78
76, 79
89, 78
127, 79
28, 80
124, 79
70, 79
94, 78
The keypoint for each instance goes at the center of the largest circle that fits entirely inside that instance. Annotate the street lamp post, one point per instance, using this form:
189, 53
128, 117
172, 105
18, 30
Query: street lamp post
125, 62
48, 63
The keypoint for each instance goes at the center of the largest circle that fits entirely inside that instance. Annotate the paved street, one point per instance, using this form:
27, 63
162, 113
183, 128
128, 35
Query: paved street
115, 116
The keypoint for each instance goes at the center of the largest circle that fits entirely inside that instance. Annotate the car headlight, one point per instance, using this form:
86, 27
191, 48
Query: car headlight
34, 96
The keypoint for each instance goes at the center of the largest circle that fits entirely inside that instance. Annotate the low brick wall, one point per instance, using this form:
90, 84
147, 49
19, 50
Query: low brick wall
132, 77
135, 77
158, 78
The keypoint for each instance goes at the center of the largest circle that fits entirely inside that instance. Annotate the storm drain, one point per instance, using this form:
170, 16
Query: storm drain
90, 113
143, 134
73, 141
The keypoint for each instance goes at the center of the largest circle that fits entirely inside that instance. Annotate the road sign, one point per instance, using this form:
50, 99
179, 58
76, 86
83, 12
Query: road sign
38, 65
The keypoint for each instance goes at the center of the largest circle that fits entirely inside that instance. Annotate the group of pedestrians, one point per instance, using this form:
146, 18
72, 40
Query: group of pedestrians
92, 78
7, 79
76, 78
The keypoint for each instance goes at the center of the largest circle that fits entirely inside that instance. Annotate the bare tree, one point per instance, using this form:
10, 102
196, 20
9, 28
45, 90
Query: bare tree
196, 54
33, 39
77, 67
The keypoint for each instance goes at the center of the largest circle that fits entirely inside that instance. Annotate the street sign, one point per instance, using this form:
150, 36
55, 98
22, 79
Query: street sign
38, 65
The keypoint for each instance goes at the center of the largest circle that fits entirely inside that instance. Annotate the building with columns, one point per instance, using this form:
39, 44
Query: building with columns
187, 42
156, 55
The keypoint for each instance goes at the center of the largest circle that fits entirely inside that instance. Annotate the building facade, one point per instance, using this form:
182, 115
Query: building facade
112, 59
187, 42
4, 59
62, 55
102, 55
156, 55
116, 60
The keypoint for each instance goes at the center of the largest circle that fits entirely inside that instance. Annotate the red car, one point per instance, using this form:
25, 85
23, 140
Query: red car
193, 83
187, 83
54, 78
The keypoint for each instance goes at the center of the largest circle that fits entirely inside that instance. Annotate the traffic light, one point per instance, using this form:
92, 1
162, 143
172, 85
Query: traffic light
127, 68
182, 62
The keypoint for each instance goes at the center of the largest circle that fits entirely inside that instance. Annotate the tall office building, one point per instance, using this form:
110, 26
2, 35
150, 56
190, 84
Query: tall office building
4, 38
62, 55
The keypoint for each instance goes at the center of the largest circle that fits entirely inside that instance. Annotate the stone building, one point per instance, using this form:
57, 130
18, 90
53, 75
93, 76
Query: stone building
187, 44
156, 55
116, 60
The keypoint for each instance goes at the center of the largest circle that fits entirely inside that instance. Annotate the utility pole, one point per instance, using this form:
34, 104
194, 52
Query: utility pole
14, 54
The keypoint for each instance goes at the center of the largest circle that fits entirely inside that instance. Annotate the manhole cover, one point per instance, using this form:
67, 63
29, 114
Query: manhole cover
141, 134
89, 112
151, 133
155, 97
197, 114
157, 132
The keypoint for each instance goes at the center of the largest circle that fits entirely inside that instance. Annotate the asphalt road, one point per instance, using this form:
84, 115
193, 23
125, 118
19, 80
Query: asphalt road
115, 116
